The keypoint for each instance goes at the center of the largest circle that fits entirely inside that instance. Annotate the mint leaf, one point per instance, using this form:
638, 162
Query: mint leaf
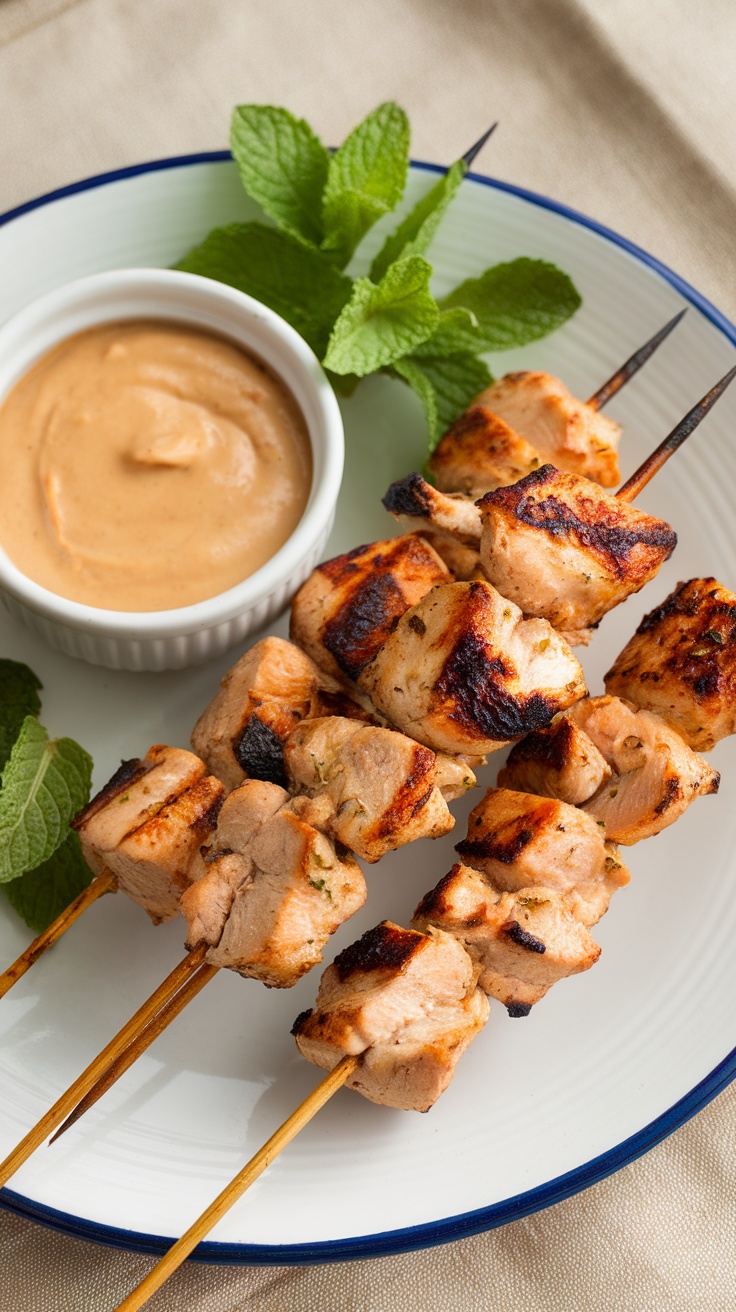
299, 284
42, 894
381, 323
415, 233
18, 698
457, 330
44, 783
445, 385
516, 303
283, 166
365, 180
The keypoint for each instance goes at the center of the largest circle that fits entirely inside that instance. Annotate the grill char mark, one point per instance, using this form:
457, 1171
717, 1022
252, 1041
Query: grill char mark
386, 947
127, 773
408, 496
473, 681
259, 751
607, 538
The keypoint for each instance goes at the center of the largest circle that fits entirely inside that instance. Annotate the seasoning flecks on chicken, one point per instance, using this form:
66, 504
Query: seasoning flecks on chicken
655, 775
565, 550
414, 499
463, 671
681, 663
519, 840
570, 433
348, 606
146, 825
272, 889
373, 789
408, 1002
262, 698
561, 761
480, 452
523, 942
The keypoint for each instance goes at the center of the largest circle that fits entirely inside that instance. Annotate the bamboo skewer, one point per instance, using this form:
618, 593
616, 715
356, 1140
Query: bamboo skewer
140, 1043
81, 1086
680, 433
104, 883
470, 155
632, 365
242, 1181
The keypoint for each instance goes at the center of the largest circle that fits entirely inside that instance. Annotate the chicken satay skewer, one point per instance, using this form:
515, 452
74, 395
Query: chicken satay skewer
632, 365
101, 884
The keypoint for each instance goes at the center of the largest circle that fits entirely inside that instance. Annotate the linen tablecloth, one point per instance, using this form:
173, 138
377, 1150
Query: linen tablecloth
626, 111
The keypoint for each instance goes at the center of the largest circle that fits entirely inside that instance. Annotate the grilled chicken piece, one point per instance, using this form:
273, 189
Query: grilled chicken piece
519, 840
655, 775
373, 789
464, 672
564, 549
147, 824
272, 889
408, 1002
348, 606
570, 433
681, 663
561, 761
262, 698
463, 562
480, 452
523, 942
414, 499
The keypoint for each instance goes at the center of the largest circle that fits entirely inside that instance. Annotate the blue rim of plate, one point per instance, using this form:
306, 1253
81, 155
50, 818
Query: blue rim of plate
509, 1209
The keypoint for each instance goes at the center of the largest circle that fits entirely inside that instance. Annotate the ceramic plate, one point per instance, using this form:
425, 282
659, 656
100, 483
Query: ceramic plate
604, 1067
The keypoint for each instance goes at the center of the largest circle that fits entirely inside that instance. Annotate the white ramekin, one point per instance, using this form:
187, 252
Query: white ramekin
172, 639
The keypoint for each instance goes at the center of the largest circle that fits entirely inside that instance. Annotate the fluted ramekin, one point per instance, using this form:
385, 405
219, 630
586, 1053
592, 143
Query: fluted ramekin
188, 635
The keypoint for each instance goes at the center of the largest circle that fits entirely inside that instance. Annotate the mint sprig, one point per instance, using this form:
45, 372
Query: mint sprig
19, 689
44, 784
283, 166
322, 206
40, 895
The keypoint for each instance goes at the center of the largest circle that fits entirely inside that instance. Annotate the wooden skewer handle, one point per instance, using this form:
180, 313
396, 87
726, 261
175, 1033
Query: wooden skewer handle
104, 883
237, 1187
81, 1086
180, 1000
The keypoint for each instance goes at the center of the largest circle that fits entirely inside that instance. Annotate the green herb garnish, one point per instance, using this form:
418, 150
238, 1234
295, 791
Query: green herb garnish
44, 783
321, 206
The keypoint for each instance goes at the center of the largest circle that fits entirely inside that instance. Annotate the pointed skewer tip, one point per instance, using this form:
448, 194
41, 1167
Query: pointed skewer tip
470, 155
633, 364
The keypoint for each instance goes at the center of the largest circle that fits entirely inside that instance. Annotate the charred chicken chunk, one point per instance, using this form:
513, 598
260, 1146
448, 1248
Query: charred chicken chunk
523, 942
681, 663
572, 434
272, 889
519, 841
348, 606
147, 824
655, 775
562, 548
463, 562
561, 761
414, 499
262, 698
481, 452
373, 789
463, 671
408, 1002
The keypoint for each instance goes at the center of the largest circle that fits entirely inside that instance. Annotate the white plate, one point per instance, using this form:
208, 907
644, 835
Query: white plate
608, 1063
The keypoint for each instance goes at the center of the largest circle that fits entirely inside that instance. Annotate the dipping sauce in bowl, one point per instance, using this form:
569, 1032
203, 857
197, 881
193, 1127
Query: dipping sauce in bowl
148, 465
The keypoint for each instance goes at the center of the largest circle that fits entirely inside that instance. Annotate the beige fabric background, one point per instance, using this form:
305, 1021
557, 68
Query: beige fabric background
624, 109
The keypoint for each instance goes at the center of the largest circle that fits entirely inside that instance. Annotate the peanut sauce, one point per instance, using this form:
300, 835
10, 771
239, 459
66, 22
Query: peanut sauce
145, 466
